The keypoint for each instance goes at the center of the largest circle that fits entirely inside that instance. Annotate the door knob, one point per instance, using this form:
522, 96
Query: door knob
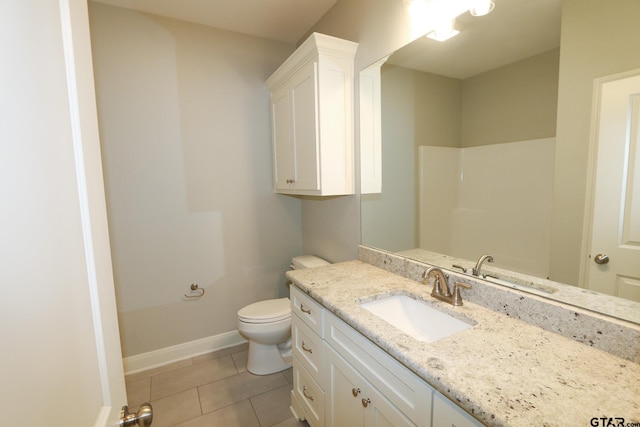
143, 418
601, 259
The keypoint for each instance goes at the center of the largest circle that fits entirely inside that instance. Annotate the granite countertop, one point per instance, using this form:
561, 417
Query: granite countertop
503, 371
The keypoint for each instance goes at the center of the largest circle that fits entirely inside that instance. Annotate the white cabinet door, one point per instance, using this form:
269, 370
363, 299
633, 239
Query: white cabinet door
281, 128
352, 401
343, 393
295, 131
381, 413
304, 111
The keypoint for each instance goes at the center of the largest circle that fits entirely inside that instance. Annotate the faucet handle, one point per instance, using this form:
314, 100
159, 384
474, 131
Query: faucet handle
457, 298
464, 270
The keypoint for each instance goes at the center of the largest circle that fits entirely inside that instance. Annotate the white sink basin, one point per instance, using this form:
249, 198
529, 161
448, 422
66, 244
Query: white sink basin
415, 318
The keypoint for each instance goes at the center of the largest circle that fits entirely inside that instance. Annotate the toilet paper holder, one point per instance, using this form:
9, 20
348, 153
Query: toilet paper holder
195, 293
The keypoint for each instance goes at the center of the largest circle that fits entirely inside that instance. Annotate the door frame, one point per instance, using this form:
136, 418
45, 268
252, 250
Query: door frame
592, 163
76, 39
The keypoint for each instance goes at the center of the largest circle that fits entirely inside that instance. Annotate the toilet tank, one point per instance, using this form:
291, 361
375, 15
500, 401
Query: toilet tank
307, 261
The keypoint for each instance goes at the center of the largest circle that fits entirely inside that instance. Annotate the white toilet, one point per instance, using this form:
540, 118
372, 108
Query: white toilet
267, 326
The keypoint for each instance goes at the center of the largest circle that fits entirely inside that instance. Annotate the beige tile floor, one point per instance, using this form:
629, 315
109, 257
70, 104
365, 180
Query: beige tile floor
212, 390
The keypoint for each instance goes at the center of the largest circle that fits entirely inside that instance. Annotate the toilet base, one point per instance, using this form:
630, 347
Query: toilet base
268, 359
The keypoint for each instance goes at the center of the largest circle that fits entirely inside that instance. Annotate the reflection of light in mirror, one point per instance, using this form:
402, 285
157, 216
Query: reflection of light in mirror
436, 18
481, 7
444, 30
427, 15
421, 19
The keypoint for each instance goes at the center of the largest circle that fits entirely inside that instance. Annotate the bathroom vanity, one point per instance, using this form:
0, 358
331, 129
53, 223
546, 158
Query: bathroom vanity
341, 378
353, 368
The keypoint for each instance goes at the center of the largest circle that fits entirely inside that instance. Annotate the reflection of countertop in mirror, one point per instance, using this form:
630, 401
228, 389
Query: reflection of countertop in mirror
605, 304
503, 371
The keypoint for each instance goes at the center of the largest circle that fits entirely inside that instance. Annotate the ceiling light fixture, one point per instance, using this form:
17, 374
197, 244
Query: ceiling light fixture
481, 7
436, 18
444, 30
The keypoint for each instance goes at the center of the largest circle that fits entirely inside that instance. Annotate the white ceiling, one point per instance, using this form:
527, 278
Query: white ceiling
516, 29
283, 20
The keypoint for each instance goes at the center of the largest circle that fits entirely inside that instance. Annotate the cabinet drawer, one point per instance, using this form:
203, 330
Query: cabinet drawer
308, 347
308, 310
308, 394
403, 388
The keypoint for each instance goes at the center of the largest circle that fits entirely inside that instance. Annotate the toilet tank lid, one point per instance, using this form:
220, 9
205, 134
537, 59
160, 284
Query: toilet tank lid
272, 309
307, 261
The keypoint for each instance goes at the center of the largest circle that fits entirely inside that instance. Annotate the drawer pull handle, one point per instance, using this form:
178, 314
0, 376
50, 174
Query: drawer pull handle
304, 347
304, 392
365, 402
355, 392
305, 310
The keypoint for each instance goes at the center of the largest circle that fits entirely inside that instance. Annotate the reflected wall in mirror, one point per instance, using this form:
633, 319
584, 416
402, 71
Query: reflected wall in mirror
486, 137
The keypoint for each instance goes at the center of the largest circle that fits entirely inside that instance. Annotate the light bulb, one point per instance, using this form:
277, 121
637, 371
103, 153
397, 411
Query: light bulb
444, 30
481, 7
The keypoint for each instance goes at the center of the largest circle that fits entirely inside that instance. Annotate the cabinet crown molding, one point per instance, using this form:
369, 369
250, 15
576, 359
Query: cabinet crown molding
316, 44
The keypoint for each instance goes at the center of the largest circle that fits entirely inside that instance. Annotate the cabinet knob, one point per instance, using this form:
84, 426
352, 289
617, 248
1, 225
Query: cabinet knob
305, 348
355, 392
290, 181
365, 402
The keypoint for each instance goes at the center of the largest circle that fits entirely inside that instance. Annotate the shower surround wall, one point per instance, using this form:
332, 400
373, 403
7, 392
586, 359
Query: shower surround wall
184, 118
484, 196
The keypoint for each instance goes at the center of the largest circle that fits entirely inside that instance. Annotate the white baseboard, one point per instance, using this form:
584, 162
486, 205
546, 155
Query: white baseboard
164, 356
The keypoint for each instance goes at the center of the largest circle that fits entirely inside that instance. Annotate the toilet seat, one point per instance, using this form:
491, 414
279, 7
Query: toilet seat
268, 311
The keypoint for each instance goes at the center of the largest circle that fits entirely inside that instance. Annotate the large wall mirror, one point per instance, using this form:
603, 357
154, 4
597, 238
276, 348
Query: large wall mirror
488, 146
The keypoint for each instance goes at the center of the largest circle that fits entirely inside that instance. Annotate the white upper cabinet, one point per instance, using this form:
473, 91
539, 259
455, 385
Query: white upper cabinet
312, 119
371, 129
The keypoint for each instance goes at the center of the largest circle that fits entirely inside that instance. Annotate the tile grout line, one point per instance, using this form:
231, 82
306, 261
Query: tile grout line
255, 413
153, 380
199, 401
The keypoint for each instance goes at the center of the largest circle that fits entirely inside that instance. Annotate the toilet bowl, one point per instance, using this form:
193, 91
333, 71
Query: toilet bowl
267, 326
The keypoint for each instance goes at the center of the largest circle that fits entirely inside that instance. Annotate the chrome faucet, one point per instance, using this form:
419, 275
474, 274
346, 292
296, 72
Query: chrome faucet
483, 258
441, 287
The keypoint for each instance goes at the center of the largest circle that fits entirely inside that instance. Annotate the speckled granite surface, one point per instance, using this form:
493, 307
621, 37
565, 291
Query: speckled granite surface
503, 371
612, 306
618, 337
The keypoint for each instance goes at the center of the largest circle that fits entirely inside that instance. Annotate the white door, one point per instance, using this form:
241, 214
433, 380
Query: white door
614, 266
60, 358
